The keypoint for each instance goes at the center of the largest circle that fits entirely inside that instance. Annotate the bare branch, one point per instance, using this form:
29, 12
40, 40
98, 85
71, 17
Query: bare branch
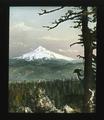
68, 16
78, 25
49, 28
46, 12
76, 43
61, 20
80, 56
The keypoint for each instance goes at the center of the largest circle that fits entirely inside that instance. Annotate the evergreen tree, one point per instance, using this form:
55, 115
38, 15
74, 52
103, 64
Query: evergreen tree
87, 39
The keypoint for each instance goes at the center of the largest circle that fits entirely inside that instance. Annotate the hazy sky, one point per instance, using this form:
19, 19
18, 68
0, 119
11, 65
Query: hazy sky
27, 33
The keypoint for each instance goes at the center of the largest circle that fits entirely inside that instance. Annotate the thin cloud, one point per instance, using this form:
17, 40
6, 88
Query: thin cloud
21, 27
68, 50
50, 38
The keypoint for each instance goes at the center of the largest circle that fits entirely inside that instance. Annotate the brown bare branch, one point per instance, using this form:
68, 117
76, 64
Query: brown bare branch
76, 43
46, 12
49, 28
80, 56
61, 20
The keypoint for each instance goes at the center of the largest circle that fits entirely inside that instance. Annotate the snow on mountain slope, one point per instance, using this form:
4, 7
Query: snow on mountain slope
42, 52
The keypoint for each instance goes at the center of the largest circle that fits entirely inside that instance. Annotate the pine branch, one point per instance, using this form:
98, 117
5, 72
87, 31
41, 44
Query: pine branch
46, 12
80, 56
78, 25
69, 15
76, 43
94, 65
51, 27
61, 20
93, 56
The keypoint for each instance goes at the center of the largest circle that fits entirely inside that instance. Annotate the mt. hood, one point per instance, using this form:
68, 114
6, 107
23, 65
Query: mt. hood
41, 53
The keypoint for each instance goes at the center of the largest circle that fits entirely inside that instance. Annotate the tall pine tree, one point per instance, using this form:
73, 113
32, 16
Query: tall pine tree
87, 39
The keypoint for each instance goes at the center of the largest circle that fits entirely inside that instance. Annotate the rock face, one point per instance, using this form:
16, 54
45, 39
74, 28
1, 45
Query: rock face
68, 109
44, 104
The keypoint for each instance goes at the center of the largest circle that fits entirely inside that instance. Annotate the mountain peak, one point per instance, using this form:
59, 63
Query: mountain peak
41, 52
40, 48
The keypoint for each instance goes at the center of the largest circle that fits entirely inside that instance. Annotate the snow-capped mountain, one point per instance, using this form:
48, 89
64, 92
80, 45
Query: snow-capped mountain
42, 52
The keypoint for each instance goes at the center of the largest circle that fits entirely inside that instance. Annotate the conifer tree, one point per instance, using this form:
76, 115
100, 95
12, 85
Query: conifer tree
87, 39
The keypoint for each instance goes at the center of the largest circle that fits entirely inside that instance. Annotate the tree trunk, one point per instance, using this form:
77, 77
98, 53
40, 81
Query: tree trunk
88, 59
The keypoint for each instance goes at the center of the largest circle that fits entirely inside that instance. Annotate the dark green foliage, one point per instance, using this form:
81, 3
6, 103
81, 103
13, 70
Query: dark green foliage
62, 92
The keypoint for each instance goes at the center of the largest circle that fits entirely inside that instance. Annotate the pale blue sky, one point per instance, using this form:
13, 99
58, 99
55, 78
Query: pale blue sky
27, 33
